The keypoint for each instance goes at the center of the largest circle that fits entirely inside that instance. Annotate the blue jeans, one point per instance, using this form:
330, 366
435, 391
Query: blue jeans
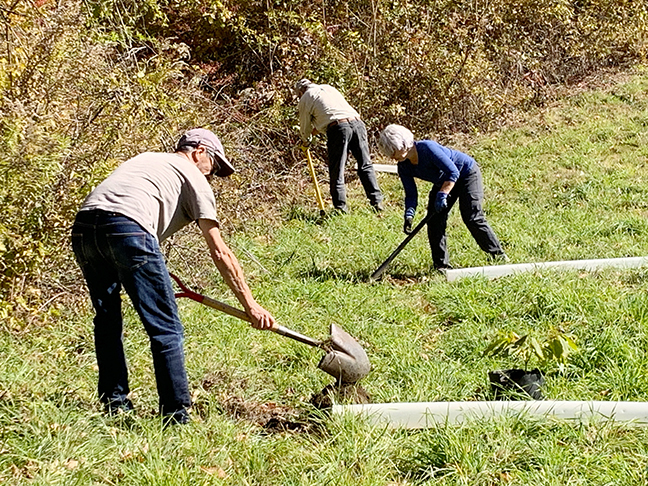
114, 251
342, 138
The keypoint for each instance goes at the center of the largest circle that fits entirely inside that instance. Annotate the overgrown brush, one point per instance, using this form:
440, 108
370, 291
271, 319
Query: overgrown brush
449, 65
86, 84
76, 101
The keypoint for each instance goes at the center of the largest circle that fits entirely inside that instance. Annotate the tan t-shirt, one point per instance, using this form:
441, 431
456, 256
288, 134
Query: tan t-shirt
163, 192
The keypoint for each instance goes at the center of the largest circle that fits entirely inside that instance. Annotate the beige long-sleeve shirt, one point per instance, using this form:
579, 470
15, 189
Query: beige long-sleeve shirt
319, 106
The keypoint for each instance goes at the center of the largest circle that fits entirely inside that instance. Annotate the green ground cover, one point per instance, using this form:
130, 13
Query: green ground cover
569, 182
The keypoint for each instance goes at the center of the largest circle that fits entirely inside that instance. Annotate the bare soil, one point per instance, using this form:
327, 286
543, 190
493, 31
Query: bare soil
340, 394
273, 417
270, 416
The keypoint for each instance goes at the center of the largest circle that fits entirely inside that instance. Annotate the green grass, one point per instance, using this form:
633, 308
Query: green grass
568, 183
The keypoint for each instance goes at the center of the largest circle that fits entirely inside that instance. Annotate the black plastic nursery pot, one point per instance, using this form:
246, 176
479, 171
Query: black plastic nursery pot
510, 384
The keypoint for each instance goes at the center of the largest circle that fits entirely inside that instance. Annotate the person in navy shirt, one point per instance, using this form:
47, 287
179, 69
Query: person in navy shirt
455, 175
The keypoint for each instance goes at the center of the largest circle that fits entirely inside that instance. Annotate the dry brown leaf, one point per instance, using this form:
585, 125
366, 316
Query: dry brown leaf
214, 471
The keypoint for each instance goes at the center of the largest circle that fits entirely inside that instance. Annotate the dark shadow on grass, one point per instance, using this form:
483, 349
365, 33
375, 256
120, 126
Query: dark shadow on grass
412, 276
329, 273
400, 277
397, 277
300, 213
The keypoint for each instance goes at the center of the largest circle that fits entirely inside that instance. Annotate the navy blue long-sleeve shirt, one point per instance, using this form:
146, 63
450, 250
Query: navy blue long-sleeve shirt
436, 164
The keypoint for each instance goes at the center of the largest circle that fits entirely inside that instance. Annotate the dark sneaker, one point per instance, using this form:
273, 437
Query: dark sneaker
499, 258
179, 417
118, 407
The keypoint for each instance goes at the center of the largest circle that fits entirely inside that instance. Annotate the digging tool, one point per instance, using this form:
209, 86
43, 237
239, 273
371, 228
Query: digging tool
379, 271
311, 168
345, 359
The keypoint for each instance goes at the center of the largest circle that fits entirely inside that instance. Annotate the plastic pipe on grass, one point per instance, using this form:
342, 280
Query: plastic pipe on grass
425, 414
495, 271
389, 168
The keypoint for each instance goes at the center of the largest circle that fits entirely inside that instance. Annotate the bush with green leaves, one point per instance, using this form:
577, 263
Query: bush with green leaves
443, 66
87, 84
553, 349
73, 105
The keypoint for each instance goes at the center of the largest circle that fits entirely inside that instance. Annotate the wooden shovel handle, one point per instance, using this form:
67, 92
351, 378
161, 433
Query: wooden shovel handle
208, 301
215, 304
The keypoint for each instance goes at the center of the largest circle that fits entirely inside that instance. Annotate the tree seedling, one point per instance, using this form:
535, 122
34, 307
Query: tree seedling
555, 348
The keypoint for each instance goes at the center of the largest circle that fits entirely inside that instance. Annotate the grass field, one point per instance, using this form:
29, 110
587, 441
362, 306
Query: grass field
568, 182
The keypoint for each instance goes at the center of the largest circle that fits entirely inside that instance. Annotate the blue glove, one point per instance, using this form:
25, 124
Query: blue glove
441, 202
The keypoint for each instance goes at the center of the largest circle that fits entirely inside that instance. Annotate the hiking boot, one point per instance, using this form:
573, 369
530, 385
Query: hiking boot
117, 407
179, 417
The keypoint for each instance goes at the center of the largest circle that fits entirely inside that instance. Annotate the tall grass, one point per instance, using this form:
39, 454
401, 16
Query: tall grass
568, 182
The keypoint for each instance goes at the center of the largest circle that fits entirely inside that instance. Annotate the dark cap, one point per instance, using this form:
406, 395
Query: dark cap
206, 138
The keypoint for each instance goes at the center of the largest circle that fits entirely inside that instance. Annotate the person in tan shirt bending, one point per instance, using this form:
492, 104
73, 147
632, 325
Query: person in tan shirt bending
323, 109
116, 237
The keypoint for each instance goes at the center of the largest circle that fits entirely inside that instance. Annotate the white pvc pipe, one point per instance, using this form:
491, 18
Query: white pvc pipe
425, 414
495, 271
391, 169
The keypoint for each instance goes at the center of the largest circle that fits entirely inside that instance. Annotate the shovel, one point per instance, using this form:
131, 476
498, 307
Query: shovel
345, 359
379, 271
318, 194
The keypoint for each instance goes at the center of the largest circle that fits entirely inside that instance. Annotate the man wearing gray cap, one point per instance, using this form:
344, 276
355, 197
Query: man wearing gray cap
116, 237
323, 109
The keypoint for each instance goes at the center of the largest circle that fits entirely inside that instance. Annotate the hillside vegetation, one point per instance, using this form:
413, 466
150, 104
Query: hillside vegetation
568, 182
87, 84
551, 97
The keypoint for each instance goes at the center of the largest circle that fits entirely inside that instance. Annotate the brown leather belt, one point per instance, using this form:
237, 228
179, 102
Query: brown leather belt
342, 120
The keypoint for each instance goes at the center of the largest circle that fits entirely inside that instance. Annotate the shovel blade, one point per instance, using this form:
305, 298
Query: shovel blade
347, 362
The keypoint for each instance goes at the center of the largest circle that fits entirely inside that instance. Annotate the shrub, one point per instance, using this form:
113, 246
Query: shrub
446, 66
88, 84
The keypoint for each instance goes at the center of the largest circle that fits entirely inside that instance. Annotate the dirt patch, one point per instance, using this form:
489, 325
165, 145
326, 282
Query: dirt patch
340, 394
271, 416
222, 381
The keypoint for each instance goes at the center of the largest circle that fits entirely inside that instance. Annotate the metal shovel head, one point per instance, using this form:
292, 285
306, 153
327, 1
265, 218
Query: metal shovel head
346, 360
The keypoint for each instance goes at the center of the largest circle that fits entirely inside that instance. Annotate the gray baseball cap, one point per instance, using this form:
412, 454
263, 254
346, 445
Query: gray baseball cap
207, 138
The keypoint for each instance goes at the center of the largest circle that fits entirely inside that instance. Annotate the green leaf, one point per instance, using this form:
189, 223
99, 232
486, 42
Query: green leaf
518, 343
537, 348
570, 342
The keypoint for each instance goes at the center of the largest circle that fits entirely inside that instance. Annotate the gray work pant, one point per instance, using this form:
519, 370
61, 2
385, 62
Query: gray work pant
342, 138
469, 190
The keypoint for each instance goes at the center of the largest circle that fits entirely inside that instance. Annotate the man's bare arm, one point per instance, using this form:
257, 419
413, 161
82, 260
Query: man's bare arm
232, 273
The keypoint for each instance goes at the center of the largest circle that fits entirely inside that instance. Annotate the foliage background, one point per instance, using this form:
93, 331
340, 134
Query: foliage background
87, 84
